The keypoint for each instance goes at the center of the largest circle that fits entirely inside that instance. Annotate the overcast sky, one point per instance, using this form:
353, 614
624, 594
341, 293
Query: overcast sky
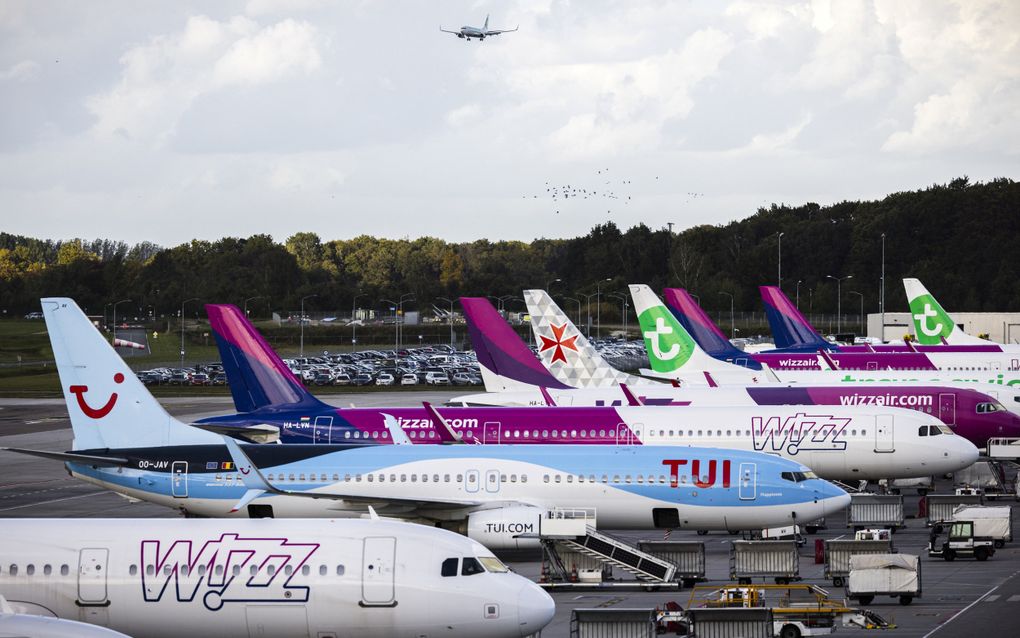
166, 121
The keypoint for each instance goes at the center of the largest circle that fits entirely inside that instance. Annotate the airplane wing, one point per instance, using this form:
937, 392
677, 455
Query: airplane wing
498, 31
106, 461
258, 485
448, 31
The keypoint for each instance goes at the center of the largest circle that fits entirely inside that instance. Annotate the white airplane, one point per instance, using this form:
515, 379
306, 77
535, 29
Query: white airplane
125, 442
14, 623
282, 579
468, 33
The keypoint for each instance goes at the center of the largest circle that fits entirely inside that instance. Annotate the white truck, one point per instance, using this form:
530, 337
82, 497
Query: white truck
896, 575
990, 522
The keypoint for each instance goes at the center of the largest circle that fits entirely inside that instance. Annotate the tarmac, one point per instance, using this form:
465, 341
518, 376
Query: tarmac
963, 598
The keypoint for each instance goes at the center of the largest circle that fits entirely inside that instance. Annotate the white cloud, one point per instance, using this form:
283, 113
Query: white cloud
20, 72
463, 115
161, 79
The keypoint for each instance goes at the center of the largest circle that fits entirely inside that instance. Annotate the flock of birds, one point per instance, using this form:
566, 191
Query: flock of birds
606, 191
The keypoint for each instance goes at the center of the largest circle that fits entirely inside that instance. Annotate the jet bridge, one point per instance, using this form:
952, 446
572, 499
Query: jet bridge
572, 531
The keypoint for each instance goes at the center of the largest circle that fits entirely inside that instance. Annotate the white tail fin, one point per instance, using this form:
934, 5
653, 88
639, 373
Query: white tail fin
109, 407
486, 27
932, 324
566, 352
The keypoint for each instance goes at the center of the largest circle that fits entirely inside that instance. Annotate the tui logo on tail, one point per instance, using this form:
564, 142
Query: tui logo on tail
95, 413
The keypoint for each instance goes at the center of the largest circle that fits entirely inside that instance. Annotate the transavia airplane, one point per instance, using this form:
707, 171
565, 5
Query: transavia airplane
971, 413
852, 441
126, 442
480, 33
281, 579
933, 325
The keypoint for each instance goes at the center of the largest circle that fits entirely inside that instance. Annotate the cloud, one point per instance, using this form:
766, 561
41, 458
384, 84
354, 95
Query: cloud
20, 72
161, 79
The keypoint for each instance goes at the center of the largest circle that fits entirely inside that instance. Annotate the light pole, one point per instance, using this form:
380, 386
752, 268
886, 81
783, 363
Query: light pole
182, 328
407, 296
115, 316
449, 317
246, 304
549, 284
839, 300
301, 320
733, 324
578, 302
624, 304
781, 260
354, 319
587, 301
106, 325
860, 319
798, 293
598, 306
881, 300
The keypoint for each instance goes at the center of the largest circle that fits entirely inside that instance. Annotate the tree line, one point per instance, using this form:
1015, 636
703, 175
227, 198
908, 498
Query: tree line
960, 238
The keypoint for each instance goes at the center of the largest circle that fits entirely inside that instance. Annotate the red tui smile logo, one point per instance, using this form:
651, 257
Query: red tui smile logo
91, 412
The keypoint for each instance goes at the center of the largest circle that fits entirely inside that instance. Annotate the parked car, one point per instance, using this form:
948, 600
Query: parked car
437, 378
384, 378
34, 315
179, 378
361, 379
342, 379
461, 378
409, 379
220, 378
200, 378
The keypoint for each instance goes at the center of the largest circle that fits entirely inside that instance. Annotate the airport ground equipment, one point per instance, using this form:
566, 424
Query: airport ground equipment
785, 533
797, 609
940, 507
875, 510
687, 556
778, 560
923, 485
990, 477
839, 552
991, 522
574, 530
1004, 449
957, 540
895, 575
812, 527
613, 622
724, 622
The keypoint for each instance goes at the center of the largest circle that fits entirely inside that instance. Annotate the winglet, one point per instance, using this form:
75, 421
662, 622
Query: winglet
631, 399
549, 401
372, 514
396, 432
711, 381
447, 434
829, 361
675, 383
770, 374
250, 475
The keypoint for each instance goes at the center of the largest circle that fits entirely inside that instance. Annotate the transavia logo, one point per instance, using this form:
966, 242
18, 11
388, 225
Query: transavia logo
929, 319
557, 344
669, 347
229, 569
95, 413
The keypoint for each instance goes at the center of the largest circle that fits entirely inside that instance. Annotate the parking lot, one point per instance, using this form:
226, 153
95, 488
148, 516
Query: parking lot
961, 598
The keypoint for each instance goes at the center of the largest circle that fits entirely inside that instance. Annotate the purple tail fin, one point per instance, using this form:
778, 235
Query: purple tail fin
500, 350
257, 376
790, 329
703, 329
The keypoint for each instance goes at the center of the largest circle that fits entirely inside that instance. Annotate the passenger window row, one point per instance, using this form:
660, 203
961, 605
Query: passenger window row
47, 570
627, 479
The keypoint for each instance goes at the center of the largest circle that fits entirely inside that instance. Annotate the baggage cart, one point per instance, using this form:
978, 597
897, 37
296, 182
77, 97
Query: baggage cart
778, 560
839, 552
895, 575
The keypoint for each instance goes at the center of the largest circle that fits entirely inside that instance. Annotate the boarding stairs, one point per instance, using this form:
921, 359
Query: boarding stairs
575, 531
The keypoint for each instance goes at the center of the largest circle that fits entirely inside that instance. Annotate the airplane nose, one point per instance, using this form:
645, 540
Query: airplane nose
968, 453
832, 498
535, 609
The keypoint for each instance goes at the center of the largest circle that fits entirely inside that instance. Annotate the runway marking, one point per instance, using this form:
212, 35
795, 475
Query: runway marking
992, 598
1014, 598
56, 500
957, 614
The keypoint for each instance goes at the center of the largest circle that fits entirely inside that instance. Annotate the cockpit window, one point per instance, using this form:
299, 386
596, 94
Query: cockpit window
922, 430
471, 567
994, 406
493, 564
797, 477
944, 429
450, 567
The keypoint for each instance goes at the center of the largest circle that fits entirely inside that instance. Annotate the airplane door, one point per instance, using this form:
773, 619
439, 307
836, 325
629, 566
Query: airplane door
92, 576
322, 431
471, 481
637, 434
377, 572
884, 433
179, 479
492, 481
276, 621
622, 434
492, 432
873, 365
748, 488
947, 408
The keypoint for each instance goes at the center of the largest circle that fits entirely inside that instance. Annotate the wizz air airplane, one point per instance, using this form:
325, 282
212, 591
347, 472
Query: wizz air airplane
288, 409
17, 623
273, 578
125, 441
793, 333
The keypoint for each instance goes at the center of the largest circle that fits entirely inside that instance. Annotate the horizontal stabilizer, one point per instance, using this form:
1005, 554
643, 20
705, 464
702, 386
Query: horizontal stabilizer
104, 461
261, 433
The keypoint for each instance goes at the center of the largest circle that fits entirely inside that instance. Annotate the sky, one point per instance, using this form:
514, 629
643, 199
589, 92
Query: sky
171, 121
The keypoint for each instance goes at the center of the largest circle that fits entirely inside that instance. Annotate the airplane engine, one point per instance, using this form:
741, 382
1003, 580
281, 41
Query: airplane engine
501, 528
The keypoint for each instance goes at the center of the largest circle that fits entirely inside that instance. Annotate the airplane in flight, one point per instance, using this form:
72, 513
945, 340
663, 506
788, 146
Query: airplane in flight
126, 442
271, 400
467, 33
321, 578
